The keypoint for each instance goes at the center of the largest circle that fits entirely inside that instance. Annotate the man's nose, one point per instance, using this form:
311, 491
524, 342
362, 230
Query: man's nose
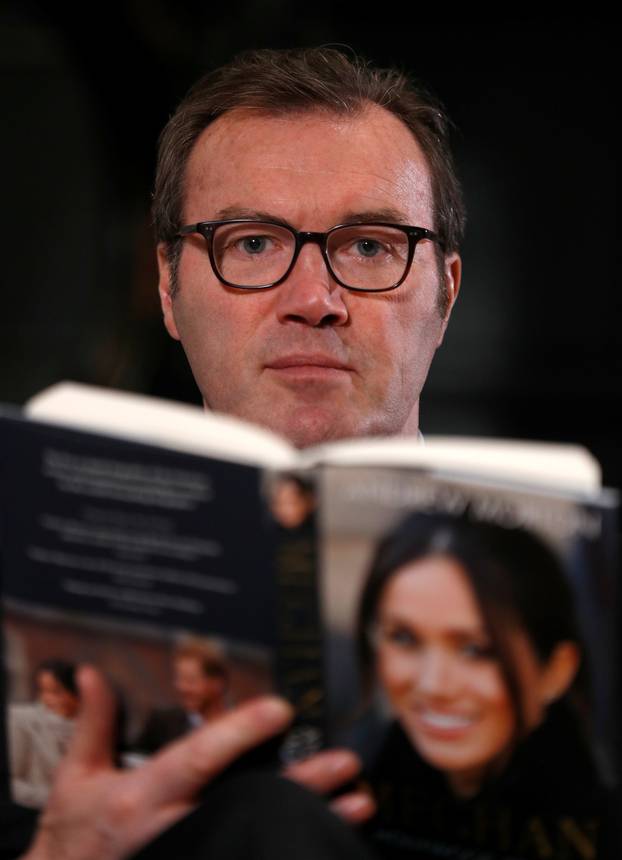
310, 295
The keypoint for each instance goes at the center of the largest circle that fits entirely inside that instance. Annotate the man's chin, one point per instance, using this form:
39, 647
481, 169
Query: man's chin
306, 425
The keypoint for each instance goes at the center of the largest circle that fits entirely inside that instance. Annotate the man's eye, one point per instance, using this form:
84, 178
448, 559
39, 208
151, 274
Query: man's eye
254, 244
368, 247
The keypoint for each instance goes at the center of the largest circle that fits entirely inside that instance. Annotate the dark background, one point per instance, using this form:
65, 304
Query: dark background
530, 351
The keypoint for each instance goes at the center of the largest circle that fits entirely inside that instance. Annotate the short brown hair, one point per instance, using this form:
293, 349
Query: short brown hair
299, 80
206, 652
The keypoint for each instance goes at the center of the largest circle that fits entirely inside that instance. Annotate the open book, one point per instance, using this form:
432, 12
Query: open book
190, 429
446, 608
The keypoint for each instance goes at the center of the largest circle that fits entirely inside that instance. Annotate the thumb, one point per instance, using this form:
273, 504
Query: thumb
94, 736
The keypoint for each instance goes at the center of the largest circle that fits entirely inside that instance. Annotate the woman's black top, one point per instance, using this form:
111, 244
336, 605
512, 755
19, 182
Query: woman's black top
548, 803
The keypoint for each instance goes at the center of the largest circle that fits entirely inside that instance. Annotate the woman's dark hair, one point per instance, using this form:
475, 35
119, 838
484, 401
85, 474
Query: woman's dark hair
517, 581
61, 671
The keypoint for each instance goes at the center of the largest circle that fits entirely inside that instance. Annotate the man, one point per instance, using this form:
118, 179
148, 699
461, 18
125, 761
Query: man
310, 359
308, 220
200, 683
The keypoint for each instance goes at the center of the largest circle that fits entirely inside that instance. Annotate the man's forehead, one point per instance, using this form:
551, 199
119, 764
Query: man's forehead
368, 163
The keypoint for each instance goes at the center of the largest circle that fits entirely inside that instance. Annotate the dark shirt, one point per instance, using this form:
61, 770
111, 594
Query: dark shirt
548, 804
162, 727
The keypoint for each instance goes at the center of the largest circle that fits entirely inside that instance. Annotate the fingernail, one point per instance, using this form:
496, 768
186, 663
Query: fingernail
354, 806
342, 760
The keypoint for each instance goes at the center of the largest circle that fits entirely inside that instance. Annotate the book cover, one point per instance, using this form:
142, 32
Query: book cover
471, 659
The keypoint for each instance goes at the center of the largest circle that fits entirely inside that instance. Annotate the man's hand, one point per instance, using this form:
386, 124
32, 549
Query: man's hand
326, 772
96, 810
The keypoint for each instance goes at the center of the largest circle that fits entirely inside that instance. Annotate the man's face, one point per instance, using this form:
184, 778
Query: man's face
196, 691
309, 359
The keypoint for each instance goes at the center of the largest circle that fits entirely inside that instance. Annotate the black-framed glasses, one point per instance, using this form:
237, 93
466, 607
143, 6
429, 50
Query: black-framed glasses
257, 255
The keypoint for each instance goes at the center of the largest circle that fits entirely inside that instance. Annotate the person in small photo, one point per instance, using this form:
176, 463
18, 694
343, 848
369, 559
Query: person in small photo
200, 681
39, 732
292, 500
469, 631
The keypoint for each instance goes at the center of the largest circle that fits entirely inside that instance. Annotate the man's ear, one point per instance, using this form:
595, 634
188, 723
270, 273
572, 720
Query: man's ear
164, 289
452, 273
559, 672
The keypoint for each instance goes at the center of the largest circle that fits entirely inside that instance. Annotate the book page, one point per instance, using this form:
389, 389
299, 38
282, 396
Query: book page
187, 581
178, 426
567, 468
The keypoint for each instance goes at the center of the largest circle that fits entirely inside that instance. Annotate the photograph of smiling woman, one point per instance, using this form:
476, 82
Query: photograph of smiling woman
469, 633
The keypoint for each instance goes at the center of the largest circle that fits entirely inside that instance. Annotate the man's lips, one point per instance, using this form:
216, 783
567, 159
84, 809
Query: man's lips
311, 360
312, 366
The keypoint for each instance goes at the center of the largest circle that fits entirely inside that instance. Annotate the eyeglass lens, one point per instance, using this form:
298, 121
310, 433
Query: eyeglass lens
367, 257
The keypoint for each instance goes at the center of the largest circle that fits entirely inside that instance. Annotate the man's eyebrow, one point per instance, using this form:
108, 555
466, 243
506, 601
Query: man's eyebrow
393, 216
368, 216
234, 212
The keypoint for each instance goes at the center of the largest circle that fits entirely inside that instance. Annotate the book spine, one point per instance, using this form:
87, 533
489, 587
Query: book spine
299, 641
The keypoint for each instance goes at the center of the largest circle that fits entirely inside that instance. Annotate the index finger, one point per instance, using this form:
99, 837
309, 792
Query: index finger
177, 773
